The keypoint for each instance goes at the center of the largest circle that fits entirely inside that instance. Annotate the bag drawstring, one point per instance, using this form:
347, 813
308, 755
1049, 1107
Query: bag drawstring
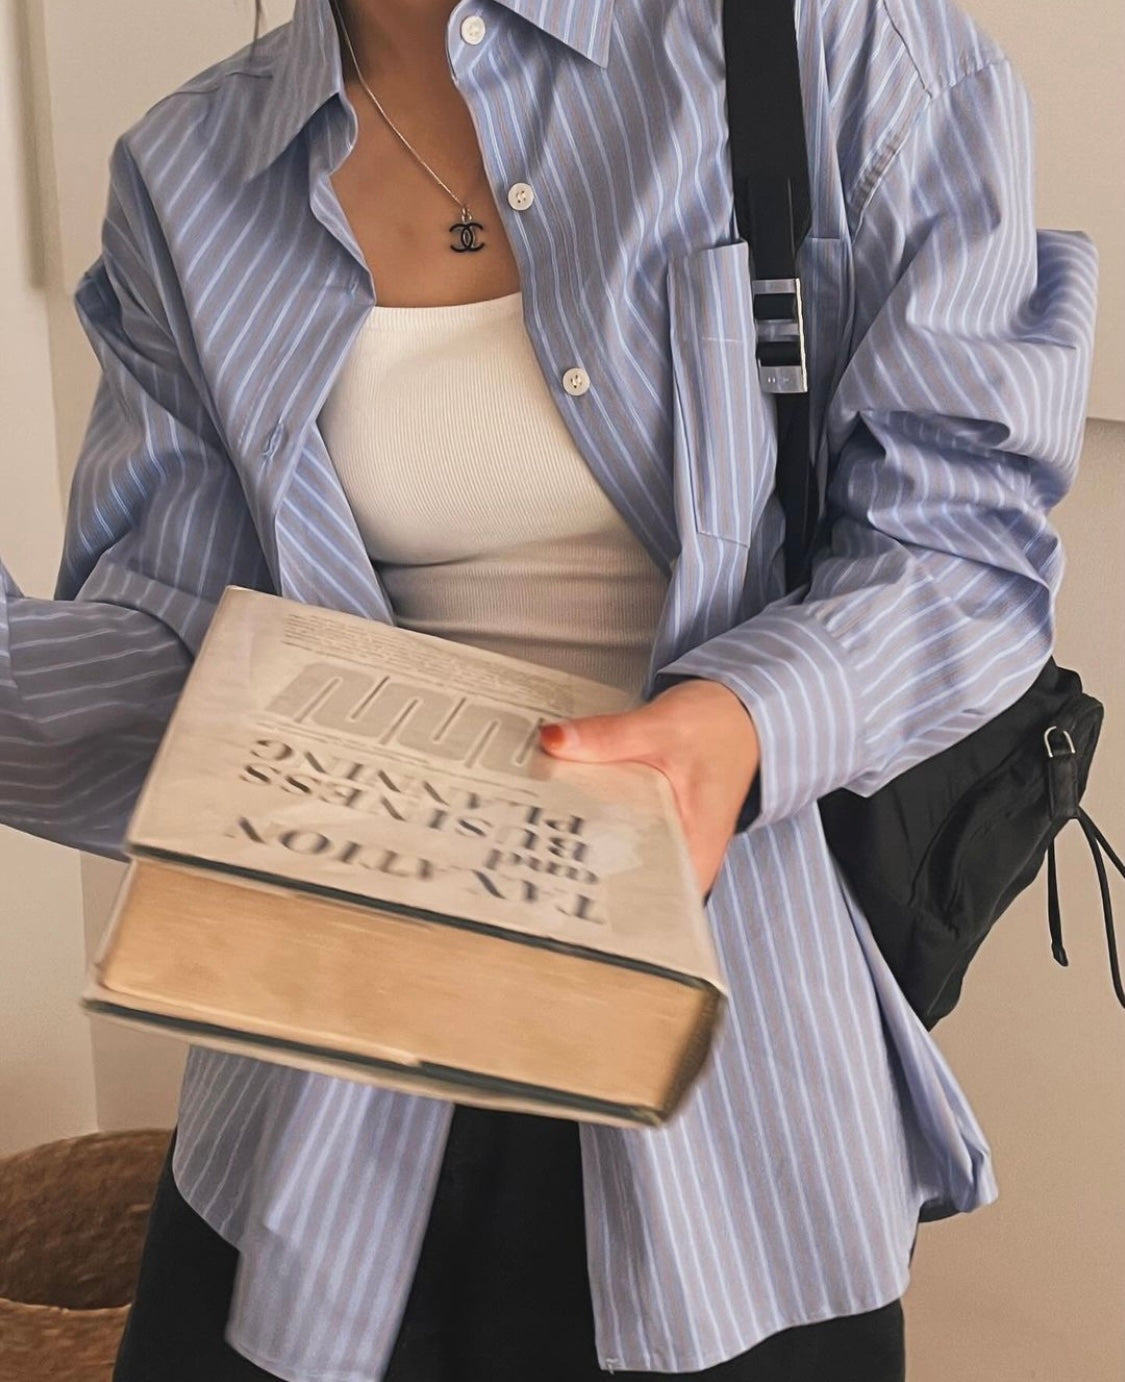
1098, 843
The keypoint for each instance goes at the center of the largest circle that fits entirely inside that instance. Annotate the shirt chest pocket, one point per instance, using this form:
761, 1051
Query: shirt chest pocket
724, 423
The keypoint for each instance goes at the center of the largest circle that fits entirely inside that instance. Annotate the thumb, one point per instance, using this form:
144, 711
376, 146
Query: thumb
598, 738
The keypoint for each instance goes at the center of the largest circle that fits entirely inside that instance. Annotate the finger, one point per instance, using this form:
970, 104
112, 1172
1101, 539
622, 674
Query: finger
601, 738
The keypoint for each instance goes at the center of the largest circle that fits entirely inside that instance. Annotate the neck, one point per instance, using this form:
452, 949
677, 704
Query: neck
394, 35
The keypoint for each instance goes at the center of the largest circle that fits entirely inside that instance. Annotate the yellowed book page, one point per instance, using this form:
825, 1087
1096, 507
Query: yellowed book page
95, 1000
396, 989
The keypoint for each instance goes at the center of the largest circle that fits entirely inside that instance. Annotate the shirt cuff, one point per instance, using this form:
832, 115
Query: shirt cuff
791, 676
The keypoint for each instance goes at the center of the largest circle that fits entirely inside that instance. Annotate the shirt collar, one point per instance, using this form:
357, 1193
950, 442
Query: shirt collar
584, 25
307, 70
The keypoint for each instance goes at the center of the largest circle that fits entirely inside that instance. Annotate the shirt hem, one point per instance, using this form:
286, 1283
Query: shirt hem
620, 1361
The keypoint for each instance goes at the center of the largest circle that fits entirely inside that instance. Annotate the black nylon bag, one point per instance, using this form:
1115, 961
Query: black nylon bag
939, 853
936, 856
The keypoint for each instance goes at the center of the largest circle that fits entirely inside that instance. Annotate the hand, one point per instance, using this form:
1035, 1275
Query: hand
698, 734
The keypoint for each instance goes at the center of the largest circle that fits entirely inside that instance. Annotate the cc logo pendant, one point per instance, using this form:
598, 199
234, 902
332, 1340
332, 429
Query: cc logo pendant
466, 231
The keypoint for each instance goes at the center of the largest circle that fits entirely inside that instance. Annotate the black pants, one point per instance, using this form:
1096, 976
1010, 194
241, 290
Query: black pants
500, 1295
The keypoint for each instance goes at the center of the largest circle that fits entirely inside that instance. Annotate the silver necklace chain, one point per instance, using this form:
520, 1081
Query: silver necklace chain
466, 215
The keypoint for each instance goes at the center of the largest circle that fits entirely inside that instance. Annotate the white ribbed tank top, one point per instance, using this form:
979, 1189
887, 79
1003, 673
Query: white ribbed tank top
478, 510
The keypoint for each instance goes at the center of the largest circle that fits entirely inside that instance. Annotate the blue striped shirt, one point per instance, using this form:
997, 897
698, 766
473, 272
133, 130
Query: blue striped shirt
950, 348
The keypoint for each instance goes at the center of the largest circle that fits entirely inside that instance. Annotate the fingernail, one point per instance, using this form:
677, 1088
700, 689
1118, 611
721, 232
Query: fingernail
555, 736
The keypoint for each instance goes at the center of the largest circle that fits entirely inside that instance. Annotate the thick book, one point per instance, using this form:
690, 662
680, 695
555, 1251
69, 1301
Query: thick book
351, 855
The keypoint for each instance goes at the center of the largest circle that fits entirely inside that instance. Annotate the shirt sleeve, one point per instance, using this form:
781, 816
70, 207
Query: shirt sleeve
157, 526
954, 428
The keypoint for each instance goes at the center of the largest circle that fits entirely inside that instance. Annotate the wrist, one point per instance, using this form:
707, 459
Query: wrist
726, 717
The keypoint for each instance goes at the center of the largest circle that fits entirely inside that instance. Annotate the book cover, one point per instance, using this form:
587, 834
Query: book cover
350, 853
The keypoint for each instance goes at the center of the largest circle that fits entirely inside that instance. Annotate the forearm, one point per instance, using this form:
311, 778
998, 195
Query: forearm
953, 430
157, 526
852, 691
86, 689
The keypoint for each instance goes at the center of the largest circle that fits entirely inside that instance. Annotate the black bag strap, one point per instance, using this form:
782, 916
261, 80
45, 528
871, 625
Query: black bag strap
770, 172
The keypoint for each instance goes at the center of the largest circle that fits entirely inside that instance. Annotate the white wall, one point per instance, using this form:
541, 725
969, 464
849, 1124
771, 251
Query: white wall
46, 1073
1028, 1290
59, 1073
150, 48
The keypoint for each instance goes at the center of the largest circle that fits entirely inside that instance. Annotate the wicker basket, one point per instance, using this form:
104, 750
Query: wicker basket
72, 1224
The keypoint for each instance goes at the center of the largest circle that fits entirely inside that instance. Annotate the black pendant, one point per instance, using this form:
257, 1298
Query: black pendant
466, 231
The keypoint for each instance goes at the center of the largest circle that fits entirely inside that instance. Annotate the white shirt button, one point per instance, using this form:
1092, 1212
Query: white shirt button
576, 382
521, 195
472, 29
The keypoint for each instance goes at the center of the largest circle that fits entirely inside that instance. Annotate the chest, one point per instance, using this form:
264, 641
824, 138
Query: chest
468, 457
636, 295
406, 223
